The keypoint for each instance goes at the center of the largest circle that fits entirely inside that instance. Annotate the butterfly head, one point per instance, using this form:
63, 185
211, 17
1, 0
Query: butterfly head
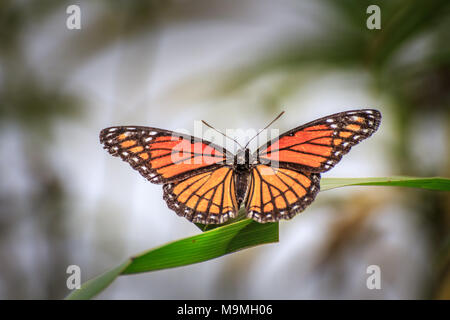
242, 158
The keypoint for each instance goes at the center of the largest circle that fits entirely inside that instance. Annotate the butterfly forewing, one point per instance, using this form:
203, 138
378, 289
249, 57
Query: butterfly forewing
162, 156
319, 145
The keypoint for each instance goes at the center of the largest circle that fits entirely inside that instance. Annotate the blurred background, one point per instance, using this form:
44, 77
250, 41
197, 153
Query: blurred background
236, 64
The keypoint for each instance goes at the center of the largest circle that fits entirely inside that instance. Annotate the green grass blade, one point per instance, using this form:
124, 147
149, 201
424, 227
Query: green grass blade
433, 183
208, 245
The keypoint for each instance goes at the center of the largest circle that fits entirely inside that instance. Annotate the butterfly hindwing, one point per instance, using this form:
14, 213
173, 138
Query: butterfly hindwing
207, 198
162, 156
319, 145
279, 193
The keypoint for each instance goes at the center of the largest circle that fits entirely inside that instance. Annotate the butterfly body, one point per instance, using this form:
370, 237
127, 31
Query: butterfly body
241, 167
207, 184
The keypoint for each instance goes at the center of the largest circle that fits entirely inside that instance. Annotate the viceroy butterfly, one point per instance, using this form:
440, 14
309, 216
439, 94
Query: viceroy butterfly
207, 184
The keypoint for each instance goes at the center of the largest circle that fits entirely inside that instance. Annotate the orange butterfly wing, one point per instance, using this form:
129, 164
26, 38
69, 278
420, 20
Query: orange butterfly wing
207, 198
319, 145
162, 156
198, 184
287, 176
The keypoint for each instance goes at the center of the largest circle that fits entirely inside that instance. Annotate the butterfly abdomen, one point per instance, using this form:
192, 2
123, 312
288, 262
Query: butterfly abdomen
242, 179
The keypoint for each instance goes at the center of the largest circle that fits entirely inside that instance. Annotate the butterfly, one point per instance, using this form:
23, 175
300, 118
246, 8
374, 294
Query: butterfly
207, 184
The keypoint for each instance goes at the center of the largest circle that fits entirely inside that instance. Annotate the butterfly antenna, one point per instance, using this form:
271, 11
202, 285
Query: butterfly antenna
278, 117
210, 126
